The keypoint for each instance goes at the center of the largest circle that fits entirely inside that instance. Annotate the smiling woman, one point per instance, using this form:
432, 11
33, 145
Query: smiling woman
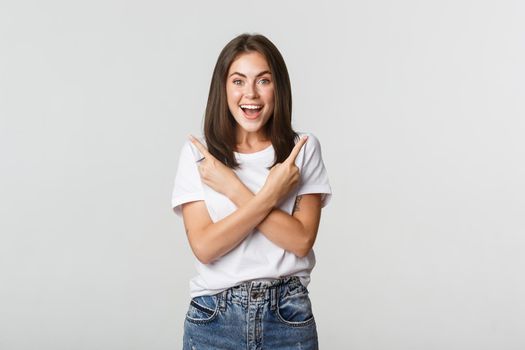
238, 190
250, 91
236, 77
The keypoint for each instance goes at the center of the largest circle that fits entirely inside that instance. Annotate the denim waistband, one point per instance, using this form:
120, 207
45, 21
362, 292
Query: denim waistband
258, 291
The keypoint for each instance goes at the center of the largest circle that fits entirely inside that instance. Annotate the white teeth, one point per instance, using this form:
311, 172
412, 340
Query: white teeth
251, 106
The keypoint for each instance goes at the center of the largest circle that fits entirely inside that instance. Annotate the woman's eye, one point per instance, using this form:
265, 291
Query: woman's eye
264, 81
237, 82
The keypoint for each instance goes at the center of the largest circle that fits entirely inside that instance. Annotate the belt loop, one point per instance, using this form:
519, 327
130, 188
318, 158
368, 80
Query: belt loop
273, 297
222, 300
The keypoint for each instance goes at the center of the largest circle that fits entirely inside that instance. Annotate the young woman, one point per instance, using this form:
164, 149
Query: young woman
250, 193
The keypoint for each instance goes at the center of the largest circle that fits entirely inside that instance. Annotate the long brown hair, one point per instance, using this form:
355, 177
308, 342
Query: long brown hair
219, 124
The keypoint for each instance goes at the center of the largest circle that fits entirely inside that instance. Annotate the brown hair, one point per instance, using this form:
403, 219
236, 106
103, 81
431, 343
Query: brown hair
219, 124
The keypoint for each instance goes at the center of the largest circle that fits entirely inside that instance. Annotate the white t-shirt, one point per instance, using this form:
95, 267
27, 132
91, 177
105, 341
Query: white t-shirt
256, 257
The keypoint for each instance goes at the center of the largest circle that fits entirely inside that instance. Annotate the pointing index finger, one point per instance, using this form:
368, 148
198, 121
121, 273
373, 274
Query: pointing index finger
296, 149
200, 146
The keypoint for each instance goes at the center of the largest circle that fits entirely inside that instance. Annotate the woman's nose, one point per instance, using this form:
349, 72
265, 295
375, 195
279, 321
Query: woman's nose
251, 91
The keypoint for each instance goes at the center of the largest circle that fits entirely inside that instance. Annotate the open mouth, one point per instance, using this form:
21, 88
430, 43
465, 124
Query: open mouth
251, 111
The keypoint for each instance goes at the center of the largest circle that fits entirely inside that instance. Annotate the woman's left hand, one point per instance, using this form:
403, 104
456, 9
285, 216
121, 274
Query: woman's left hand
214, 173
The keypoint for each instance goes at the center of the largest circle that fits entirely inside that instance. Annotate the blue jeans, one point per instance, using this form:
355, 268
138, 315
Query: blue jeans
269, 314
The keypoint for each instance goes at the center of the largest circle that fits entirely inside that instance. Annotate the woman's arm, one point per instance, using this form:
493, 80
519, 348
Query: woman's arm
295, 233
210, 240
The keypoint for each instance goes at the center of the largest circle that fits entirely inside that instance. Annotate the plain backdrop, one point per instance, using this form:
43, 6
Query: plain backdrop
418, 105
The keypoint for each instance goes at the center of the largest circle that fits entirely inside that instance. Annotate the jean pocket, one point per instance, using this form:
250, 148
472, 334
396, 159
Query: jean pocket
203, 309
295, 308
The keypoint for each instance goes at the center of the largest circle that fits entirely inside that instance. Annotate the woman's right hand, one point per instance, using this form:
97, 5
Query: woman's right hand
283, 177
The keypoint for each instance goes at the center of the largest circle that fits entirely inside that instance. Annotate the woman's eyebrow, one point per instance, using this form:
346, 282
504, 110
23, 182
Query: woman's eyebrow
258, 75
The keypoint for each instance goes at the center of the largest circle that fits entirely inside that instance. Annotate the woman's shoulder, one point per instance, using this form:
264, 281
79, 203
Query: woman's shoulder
189, 148
201, 139
307, 133
312, 138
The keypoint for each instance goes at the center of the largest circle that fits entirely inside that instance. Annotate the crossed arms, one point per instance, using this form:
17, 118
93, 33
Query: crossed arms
295, 233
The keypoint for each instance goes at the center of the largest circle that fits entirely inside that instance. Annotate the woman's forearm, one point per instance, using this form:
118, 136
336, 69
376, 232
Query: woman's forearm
278, 226
220, 237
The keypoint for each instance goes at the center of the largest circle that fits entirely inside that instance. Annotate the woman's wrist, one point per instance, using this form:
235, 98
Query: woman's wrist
240, 194
268, 196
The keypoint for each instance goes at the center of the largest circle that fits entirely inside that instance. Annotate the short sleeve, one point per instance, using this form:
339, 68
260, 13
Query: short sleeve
314, 177
188, 185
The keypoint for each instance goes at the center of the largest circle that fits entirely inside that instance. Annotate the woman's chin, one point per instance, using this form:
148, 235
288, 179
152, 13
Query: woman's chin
250, 126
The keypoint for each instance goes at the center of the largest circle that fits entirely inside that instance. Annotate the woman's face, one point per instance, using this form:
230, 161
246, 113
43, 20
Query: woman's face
249, 89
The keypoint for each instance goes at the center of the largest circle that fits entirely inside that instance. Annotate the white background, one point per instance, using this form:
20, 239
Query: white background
419, 107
